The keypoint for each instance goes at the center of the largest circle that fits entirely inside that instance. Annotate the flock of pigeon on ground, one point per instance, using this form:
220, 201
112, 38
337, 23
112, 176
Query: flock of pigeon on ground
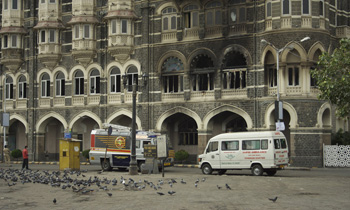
78, 183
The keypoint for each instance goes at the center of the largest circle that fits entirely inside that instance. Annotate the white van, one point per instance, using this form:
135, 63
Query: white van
261, 152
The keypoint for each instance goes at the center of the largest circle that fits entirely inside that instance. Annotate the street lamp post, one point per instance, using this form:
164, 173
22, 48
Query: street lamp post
5, 118
278, 106
133, 163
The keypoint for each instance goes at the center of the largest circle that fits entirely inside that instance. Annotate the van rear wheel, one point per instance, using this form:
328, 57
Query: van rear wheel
105, 165
257, 170
206, 169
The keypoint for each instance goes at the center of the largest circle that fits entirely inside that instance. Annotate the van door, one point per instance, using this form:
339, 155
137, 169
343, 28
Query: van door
229, 154
281, 151
213, 155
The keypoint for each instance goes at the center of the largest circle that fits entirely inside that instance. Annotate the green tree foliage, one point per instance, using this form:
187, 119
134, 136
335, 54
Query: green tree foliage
16, 153
341, 138
333, 77
181, 155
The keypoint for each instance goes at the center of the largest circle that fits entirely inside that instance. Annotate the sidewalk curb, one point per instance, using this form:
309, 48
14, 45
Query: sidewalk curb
45, 163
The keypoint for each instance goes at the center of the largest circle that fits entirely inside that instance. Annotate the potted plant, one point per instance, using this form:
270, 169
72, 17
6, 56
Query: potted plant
16, 153
181, 155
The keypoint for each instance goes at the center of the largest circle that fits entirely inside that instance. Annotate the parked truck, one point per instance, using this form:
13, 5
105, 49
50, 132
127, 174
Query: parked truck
114, 150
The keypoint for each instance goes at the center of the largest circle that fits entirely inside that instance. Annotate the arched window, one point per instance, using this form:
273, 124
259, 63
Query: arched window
269, 9
169, 19
286, 7
306, 7
191, 16
95, 82
79, 83
202, 73
234, 72
321, 7
213, 13
172, 75
132, 77
22, 87
115, 80
9, 88
60, 84
45, 85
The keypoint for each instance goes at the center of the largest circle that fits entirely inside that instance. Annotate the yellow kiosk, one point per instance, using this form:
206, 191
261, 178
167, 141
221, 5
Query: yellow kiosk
69, 154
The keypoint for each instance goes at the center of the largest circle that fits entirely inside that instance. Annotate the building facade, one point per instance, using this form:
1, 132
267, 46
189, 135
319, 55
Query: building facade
200, 66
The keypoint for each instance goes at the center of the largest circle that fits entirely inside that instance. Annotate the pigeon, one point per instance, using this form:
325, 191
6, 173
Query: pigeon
273, 199
228, 187
109, 194
54, 201
171, 185
218, 187
195, 184
182, 181
197, 181
203, 180
171, 192
160, 193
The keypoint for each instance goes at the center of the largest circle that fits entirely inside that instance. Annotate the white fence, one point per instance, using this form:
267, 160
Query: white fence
336, 155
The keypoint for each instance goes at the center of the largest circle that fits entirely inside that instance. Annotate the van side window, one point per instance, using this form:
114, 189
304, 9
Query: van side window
264, 144
138, 144
229, 145
283, 144
213, 146
277, 143
251, 144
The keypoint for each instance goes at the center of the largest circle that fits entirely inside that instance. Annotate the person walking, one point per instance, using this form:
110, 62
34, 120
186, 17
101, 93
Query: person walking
25, 158
7, 155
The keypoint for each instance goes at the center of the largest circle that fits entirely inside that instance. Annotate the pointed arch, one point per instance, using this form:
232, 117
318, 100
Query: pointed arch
204, 51
127, 113
55, 115
229, 108
296, 46
18, 117
238, 48
267, 49
316, 46
175, 110
320, 116
269, 119
88, 114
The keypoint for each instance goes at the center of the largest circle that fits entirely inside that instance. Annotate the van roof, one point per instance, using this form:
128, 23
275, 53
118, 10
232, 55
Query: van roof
255, 134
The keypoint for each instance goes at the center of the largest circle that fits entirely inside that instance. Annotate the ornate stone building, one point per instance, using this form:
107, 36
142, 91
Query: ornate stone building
63, 64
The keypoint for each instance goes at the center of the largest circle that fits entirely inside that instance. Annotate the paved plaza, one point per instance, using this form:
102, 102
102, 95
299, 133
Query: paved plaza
183, 188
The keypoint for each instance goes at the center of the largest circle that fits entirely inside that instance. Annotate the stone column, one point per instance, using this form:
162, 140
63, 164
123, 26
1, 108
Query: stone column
40, 147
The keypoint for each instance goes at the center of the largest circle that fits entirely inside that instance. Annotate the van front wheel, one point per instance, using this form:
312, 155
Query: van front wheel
257, 170
206, 169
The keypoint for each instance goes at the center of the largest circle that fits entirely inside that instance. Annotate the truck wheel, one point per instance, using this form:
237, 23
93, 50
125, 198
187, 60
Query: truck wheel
271, 172
257, 170
206, 169
105, 165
